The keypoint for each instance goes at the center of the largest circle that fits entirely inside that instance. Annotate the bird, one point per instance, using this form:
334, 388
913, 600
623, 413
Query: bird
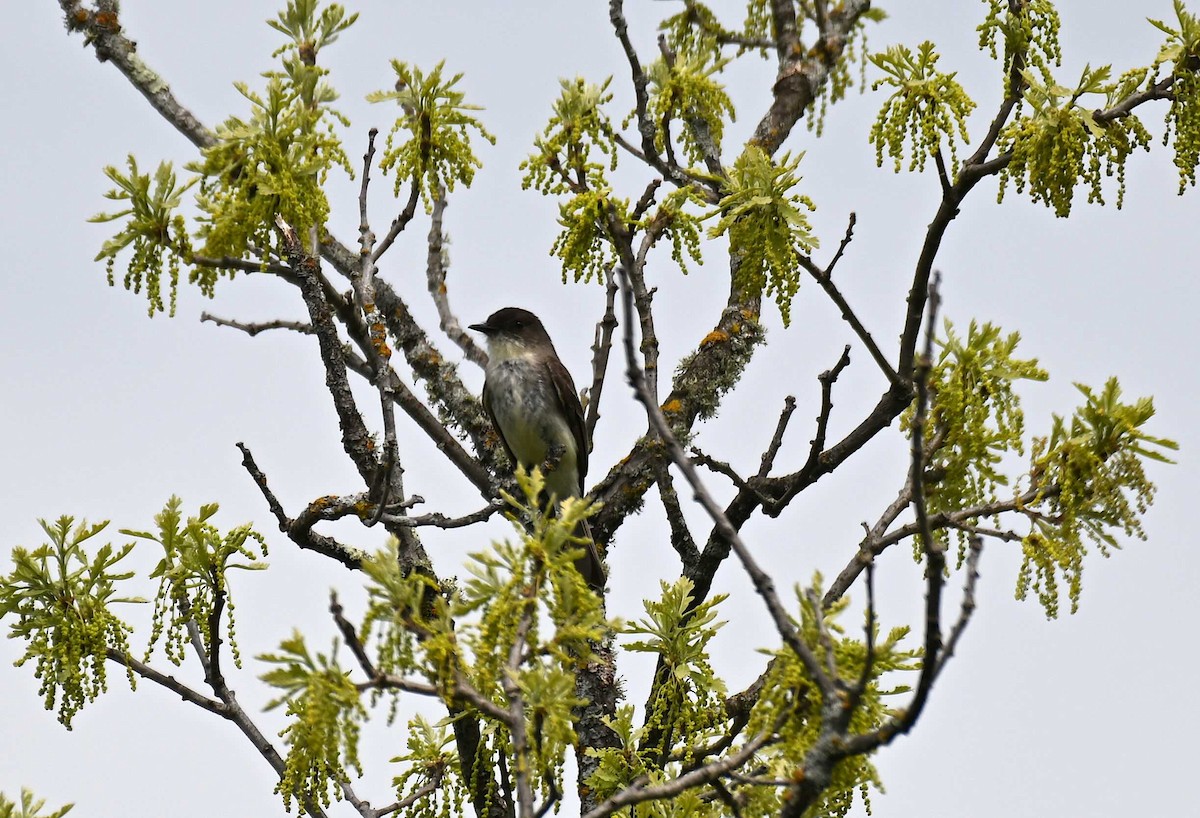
531, 400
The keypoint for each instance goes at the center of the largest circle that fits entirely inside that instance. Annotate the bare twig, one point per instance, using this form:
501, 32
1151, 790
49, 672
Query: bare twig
253, 329
827, 378
681, 537
169, 682
400, 222
435, 279
768, 458
851, 318
304, 537
601, 347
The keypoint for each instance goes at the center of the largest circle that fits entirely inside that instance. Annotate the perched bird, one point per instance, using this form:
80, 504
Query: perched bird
532, 402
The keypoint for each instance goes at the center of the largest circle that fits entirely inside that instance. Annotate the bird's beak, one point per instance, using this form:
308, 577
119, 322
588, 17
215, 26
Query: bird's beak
486, 329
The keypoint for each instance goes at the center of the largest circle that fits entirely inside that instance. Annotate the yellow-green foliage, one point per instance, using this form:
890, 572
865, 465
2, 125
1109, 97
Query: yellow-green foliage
697, 29
527, 594
276, 162
690, 700
60, 598
398, 610
1093, 471
790, 694
572, 157
975, 417
273, 163
530, 592
152, 228
435, 125
788, 697
1060, 144
192, 576
680, 225
1030, 29
855, 54
325, 711
308, 30
431, 756
28, 808
1182, 51
767, 225
686, 91
926, 110
583, 246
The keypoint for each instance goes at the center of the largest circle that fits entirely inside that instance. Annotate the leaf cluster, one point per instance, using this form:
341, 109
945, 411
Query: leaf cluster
192, 576
326, 714
156, 233
60, 597
572, 157
689, 704
676, 220
767, 225
272, 163
790, 695
685, 89
29, 808
1182, 52
928, 107
1029, 31
1093, 471
526, 619
430, 755
310, 28
1060, 143
975, 417
697, 29
433, 150
532, 621
852, 63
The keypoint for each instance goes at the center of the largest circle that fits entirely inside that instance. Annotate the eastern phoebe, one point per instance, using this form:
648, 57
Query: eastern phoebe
531, 399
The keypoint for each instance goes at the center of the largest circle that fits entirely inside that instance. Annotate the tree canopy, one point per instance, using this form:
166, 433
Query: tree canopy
502, 672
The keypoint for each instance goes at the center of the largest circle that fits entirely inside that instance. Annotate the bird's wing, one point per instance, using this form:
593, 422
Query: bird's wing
568, 399
487, 406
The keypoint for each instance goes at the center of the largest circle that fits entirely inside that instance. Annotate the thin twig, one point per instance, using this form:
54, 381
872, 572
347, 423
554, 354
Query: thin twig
761, 580
768, 457
435, 281
169, 682
601, 348
827, 378
253, 329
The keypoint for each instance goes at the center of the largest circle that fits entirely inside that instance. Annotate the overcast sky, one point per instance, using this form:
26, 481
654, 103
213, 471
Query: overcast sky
107, 413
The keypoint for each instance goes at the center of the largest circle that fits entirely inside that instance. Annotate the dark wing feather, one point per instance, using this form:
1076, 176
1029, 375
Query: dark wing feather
568, 399
487, 407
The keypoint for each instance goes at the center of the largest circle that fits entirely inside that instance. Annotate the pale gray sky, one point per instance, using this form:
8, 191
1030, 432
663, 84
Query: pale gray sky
108, 413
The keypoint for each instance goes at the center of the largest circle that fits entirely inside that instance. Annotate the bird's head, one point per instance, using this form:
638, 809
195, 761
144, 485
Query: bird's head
513, 331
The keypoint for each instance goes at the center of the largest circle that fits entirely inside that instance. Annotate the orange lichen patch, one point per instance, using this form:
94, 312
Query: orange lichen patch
749, 315
442, 288
715, 337
108, 20
672, 407
81, 16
